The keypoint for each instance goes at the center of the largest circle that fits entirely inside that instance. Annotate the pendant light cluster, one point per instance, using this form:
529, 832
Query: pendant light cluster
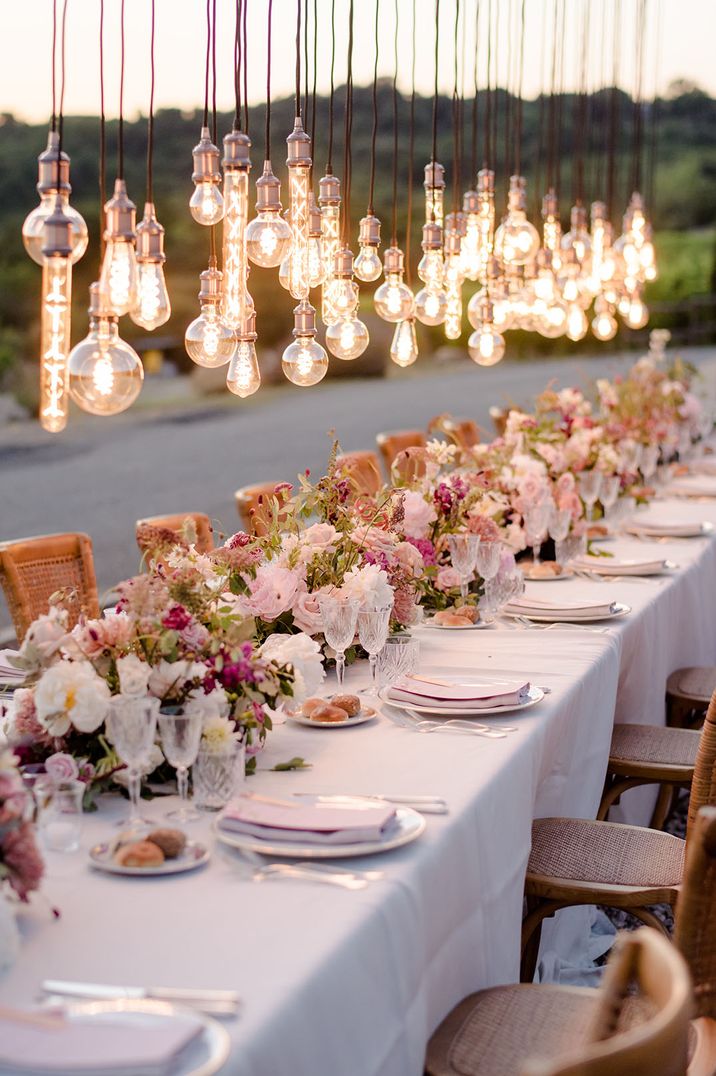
530, 278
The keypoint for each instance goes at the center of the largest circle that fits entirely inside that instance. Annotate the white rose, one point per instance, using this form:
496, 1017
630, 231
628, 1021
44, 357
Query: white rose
304, 654
169, 677
215, 704
133, 675
71, 693
369, 584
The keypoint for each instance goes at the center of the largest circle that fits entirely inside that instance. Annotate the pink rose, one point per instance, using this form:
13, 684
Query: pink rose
572, 502
419, 514
320, 535
61, 767
272, 591
447, 578
306, 614
409, 558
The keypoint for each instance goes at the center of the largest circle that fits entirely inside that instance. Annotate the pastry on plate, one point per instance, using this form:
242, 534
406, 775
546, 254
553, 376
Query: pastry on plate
328, 713
140, 854
544, 569
349, 703
172, 842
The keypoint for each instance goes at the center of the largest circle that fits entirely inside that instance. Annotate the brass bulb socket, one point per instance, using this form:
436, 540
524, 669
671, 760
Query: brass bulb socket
434, 176
453, 243
486, 181
237, 155
314, 218
150, 237
369, 232
206, 160
432, 236
210, 288
47, 167
121, 214
299, 146
598, 211
549, 205
268, 191
543, 259
393, 260
248, 332
304, 319
329, 190
343, 264
470, 202
98, 304
57, 233
578, 218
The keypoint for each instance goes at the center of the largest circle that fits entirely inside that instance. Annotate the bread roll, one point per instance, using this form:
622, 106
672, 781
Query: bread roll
171, 841
349, 703
329, 714
140, 854
310, 705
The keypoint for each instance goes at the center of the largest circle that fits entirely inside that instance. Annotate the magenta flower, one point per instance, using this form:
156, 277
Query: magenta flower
177, 618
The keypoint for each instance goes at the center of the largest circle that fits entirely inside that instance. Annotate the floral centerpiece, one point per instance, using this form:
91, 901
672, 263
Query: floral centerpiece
21, 866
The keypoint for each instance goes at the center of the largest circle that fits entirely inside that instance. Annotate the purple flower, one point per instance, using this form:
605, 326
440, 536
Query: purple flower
444, 498
238, 540
378, 558
177, 617
425, 548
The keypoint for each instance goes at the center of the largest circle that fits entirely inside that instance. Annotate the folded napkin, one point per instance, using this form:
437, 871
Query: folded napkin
694, 486
308, 820
614, 566
577, 610
9, 673
459, 694
666, 530
106, 1044
707, 465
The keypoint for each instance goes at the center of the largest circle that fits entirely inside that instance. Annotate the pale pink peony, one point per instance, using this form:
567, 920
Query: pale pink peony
419, 514
485, 528
405, 609
320, 536
23, 723
113, 631
62, 767
447, 578
273, 591
306, 614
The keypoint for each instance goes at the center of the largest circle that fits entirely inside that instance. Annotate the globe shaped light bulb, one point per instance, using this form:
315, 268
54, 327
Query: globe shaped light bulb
486, 346
343, 296
604, 325
431, 269
243, 377
368, 266
208, 342
33, 226
430, 306
638, 314
206, 204
393, 300
474, 307
516, 238
268, 239
577, 323
404, 347
347, 338
105, 374
553, 322
304, 362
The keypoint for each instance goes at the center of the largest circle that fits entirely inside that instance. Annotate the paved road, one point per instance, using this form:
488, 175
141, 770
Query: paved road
102, 475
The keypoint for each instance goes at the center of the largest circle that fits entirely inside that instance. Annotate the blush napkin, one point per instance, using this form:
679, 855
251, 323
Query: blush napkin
307, 821
579, 610
459, 695
9, 673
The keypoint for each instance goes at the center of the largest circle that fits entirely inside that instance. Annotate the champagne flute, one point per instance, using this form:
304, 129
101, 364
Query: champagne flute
609, 493
560, 521
180, 735
463, 554
340, 617
487, 559
536, 520
131, 725
373, 627
590, 484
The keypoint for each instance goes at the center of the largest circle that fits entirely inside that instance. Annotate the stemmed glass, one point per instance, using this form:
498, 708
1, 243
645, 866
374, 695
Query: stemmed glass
340, 618
487, 560
536, 522
590, 484
463, 554
180, 735
373, 627
611, 485
560, 521
571, 548
500, 590
131, 725
397, 659
649, 460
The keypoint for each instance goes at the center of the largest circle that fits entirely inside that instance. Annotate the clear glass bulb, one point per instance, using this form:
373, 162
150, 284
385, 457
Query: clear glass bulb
244, 377
207, 340
206, 204
431, 268
486, 346
368, 265
304, 362
299, 187
604, 325
430, 306
316, 266
119, 276
516, 238
152, 307
453, 297
474, 307
470, 247
553, 321
638, 313
105, 373
577, 323
55, 341
330, 240
34, 224
234, 296
545, 286
404, 348
393, 300
284, 272
347, 338
268, 239
343, 296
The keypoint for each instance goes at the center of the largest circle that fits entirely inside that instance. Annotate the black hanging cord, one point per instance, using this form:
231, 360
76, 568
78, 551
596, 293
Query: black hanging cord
208, 63
237, 68
560, 101
475, 100
599, 127
435, 93
120, 158
309, 119
411, 161
245, 52
53, 120
541, 120
456, 114
518, 104
267, 136
508, 94
329, 160
315, 74
638, 111
347, 156
580, 112
298, 58
102, 134
61, 120
394, 202
614, 113
150, 122
211, 51
653, 144
487, 147
374, 128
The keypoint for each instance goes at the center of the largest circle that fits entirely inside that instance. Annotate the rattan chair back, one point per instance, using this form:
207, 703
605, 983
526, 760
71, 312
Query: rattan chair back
33, 569
658, 1044
464, 432
255, 505
703, 785
363, 471
409, 465
695, 927
178, 524
390, 444
499, 419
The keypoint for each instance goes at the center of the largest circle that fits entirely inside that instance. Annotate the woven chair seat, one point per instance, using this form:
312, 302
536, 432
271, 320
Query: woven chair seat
654, 744
696, 683
605, 853
493, 1032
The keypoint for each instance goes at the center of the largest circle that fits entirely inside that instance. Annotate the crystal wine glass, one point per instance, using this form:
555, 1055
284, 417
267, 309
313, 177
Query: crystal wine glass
398, 658
536, 521
487, 560
180, 735
132, 724
609, 493
590, 484
463, 553
571, 548
560, 521
340, 617
649, 460
500, 590
373, 627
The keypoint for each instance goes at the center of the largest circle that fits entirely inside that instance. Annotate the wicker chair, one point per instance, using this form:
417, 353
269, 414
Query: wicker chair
409, 465
390, 444
33, 569
463, 431
499, 419
688, 692
202, 525
571, 1031
363, 470
254, 505
579, 861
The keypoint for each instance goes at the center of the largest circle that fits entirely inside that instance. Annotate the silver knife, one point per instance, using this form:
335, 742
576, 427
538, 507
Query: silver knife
216, 1002
422, 804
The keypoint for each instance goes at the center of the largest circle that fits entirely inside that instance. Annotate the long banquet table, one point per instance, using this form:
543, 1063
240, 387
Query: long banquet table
337, 982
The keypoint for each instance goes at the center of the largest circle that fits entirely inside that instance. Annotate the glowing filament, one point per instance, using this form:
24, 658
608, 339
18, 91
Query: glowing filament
299, 189
234, 299
55, 342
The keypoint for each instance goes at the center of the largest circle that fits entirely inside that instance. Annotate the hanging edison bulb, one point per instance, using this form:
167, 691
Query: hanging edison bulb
243, 377
577, 242
452, 275
604, 324
434, 185
299, 185
600, 246
152, 307
208, 340
347, 336
118, 276
393, 300
485, 219
404, 346
545, 284
368, 266
53, 180
316, 267
268, 236
55, 319
329, 200
105, 373
552, 229
577, 323
486, 345
431, 301
470, 246
570, 281
206, 204
304, 361
235, 303
516, 239
637, 313
634, 244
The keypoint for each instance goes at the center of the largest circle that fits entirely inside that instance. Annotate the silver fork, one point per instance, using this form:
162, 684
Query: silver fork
310, 872
403, 718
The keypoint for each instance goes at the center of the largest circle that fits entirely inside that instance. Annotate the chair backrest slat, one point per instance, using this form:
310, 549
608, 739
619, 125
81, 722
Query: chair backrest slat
695, 927
176, 523
390, 444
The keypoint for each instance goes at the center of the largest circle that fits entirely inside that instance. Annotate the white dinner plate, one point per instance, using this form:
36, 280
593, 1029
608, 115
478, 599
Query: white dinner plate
205, 1056
620, 609
653, 530
566, 573
366, 714
409, 826
194, 855
533, 696
456, 627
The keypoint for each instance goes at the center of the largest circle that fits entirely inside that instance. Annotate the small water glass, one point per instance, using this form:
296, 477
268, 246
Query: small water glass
463, 554
180, 734
339, 616
499, 591
536, 522
649, 460
132, 725
559, 523
216, 774
373, 627
571, 548
487, 560
398, 658
590, 484
609, 493
59, 813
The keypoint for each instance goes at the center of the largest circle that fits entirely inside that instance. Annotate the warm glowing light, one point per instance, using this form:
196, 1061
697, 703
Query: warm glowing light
53, 182
516, 239
208, 340
55, 342
105, 373
404, 347
206, 204
304, 361
152, 307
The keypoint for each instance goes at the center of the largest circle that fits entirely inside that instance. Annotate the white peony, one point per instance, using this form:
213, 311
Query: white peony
215, 704
304, 654
71, 693
44, 638
369, 584
168, 678
133, 675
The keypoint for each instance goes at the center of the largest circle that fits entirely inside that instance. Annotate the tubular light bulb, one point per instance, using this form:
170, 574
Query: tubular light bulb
105, 373
434, 185
470, 247
118, 277
329, 200
55, 319
368, 266
48, 187
486, 219
206, 204
453, 278
393, 300
208, 341
299, 179
243, 377
552, 229
152, 307
235, 302
268, 236
516, 239
316, 266
404, 348
304, 361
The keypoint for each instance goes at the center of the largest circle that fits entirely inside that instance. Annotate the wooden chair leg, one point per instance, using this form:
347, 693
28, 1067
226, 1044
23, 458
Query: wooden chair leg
647, 917
537, 911
615, 788
663, 804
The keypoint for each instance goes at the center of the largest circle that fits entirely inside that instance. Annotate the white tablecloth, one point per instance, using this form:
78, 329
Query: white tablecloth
337, 982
